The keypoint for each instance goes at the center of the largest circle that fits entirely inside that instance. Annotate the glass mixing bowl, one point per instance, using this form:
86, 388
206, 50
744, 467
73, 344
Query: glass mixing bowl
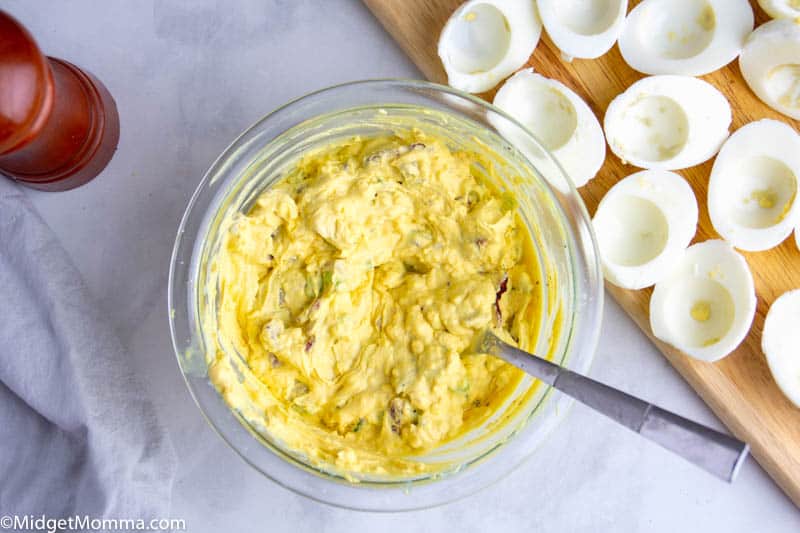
571, 295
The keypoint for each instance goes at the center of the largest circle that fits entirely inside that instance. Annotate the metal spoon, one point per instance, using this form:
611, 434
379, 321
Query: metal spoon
715, 452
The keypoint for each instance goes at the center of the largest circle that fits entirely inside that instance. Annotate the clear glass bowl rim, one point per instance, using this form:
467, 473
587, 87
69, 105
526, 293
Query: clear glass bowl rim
288, 474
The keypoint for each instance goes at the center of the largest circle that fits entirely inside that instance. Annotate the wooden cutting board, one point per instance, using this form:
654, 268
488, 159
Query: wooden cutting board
739, 389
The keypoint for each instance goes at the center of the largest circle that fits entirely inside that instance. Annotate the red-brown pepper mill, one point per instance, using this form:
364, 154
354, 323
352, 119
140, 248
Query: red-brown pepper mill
59, 125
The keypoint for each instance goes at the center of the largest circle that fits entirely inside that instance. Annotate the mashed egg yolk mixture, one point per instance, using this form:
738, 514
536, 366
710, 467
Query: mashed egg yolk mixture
352, 291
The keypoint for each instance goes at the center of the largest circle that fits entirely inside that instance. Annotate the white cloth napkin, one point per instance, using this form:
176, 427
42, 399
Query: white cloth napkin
77, 433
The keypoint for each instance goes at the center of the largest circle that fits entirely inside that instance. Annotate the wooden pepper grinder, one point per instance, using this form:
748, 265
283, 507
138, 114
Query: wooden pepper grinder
59, 125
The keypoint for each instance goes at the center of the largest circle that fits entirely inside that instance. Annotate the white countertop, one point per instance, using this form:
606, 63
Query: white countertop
187, 78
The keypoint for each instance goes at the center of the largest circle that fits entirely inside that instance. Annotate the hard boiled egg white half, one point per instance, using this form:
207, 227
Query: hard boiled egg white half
667, 122
770, 64
643, 225
484, 41
752, 192
781, 9
559, 119
583, 28
780, 343
690, 37
706, 305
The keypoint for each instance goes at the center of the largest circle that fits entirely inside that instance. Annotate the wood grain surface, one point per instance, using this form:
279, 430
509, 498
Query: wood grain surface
739, 389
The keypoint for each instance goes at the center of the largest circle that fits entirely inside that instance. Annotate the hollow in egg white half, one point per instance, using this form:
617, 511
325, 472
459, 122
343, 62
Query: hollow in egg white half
752, 192
706, 305
688, 37
667, 122
770, 64
583, 28
643, 225
559, 119
484, 41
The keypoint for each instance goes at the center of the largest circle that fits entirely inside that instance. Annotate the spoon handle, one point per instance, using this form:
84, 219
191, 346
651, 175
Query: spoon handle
711, 450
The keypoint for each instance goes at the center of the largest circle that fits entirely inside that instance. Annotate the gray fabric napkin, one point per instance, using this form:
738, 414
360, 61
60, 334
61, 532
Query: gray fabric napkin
77, 433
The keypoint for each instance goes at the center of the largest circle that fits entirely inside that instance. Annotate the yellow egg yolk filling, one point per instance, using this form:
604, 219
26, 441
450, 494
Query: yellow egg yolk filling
352, 291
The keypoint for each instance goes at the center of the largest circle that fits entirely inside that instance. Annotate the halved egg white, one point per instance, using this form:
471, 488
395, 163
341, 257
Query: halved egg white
667, 122
770, 64
689, 37
484, 41
643, 225
706, 305
781, 9
780, 342
752, 192
583, 28
559, 119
